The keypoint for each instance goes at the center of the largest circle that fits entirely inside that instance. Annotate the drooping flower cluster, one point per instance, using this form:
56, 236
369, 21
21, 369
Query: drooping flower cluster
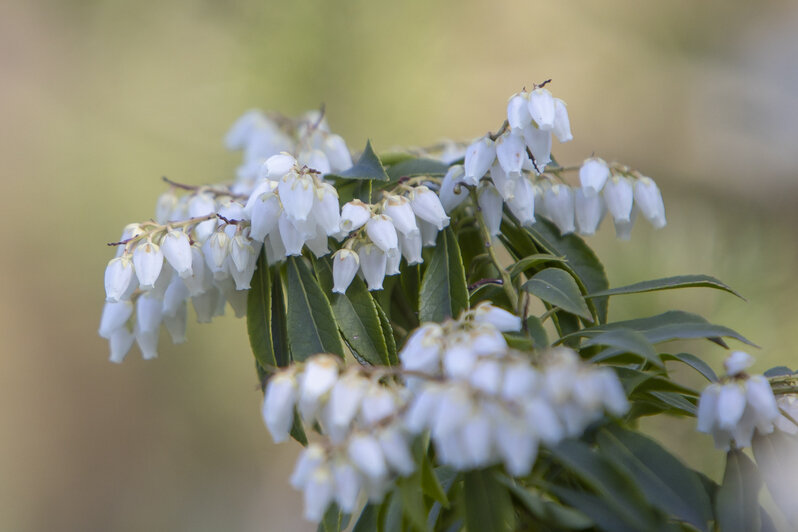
733, 409
481, 402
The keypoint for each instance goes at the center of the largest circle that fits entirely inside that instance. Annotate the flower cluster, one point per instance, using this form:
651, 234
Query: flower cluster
407, 219
481, 402
733, 409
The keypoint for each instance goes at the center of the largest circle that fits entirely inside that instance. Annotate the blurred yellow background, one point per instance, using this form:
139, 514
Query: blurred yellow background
98, 99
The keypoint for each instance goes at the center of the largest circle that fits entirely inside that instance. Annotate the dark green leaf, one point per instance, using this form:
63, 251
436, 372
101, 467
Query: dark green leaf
414, 167
487, 503
430, 485
282, 350
597, 510
663, 479
777, 457
737, 506
627, 340
387, 333
311, 325
580, 259
546, 510
778, 371
367, 167
557, 287
695, 363
532, 260
259, 314
331, 522
534, 327
367, 522
390, 518
413, 506
667, 283
676, 401
444, 292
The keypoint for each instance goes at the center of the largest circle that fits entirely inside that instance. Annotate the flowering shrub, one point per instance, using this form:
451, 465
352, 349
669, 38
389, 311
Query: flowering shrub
429, 326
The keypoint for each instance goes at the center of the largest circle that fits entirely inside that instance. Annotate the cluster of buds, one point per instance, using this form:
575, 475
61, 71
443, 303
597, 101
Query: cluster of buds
379, 235
733, 409
481, 402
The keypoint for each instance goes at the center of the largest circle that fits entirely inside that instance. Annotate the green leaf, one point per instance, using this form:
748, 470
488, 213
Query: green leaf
663, 479
367, 522
414, 167
676, 401
596, 509
331, 522
580, 259
282, 350
546, 510
536, 331
367, 167
627, 340
311, 325
533, 260
413, 507
777, 457
430, 485
695, 363
671, 325
259, 314
487, 503
387, 333
444, 292
356, 315
667, 283
557, 287
736, 505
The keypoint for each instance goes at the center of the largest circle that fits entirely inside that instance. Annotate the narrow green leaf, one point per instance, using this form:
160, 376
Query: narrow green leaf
387, 333
368, 166
413, 507
367, 522
259, 314
667, 283
487, 503
695, 363
444, 292
596, 509
311, 325
536, 331
282, 350
532, 260
331, 522
737, 506
626, 340
777, 457
557, 287
663, 479
391, 512
546, 510
676, 401
430, 485
580, 259
416, 166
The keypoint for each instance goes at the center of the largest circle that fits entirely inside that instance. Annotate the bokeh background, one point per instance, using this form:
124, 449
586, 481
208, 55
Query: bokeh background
98, 99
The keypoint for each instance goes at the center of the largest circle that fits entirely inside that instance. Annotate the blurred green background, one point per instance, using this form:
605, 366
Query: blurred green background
98, 99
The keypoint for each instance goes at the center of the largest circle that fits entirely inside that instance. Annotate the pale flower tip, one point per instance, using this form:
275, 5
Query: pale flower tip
737, 362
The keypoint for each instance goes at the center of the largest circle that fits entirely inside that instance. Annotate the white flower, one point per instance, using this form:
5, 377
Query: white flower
593, 174
347, 485
490, 203
429, 233
588, 210
118, 278
120, 342
165, 207
511, 151
337, 153
115, 315
176, 248
422, 350
395, 449
498, 317
458, 361
487, 377
309, 459
318, 494
265, 211
649, 201
148, 261
559, 202
518, 111
401, 213
378, 404
277, 166
373, 264
518, 447
320, 375
541, 108
737, 362
451, 194
148, 313
345, 265
147, 342
176, 323
291, 237
427, 206
760, 398
326, 210
278, 405
345, 401
477, 439
354, 215
315, 160
241, 130
505, 183
522, 204
619, 197
562, 125
381, 231
411, 247
365, 453
539, 143
296, 195
479, 157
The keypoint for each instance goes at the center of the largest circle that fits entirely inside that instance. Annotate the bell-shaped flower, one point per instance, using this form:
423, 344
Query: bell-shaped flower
422, 350
522, 204
337, 153
176, 248
477, 439
176, 293
373, 264
427, 206
118, 278
365, 453
511, 151
411, 247
216, 250
479, 157
277, 166
505, 183
518, 111
429, 233
539, 143
345, 265
197, 281
517, 446
242, 252
319, 492
266, 210
559, 201
731, 405
378, 404
737, 362
316, 160
278, 405
296, 194
148, 313
619, 197
148, 261
760, 398
392, 262
562, 125
588, 210
354, 215
593, 174
395, 449
490, 203
623, 228
292, 238
320, 375
114, 316
166, 206
326, 210
120, 343
541, 108
241, 130
503, 320
347, 486
649, 202
310, 458
451, 193
147, 342
381, 231
345, 401
401, 213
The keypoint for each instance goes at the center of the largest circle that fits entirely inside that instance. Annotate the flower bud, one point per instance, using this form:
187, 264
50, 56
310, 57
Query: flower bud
479, 157
427, 206
148, 261
277, 166
452, 195
559, 201
737, 362
382, 233
354, 215
619, 197
511, 151
518, 111
411, 247
593, 174
373, 264
118, 278
345, 266
278, 405
503, 320
266, 210
562, 125
176, 248
114, 316
296, 195
326, 211
337, 153
649, 201
401, 213
541, 108
490, 203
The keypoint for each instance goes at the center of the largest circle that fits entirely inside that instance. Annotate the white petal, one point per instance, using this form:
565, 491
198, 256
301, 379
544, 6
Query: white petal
118, 278
345, 265
588, 210
396, 451
318, 494
518, 111
365, 453
290, 236
593, 174
559, 201
278, 405
148, 313
649, 201
411, 247
381, 231
731, 404
451, 193
498, 317
354, 215
176, 248
296, 195
373, 264
326, 210
522, 204
562, 125
539, 143
320, 375
479, 157
737, 362
120, 342
427, 206
511, 151
490, 203
266, 212
541, 108
401, 213
337, 153
148, 261
619, 197
347, 486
